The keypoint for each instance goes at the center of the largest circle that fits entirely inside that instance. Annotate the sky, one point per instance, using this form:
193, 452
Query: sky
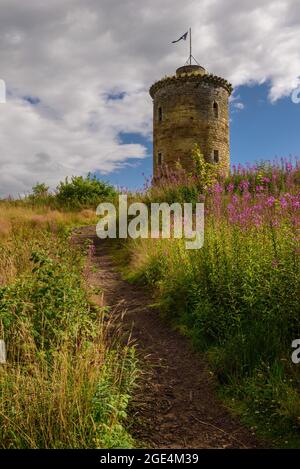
78, 72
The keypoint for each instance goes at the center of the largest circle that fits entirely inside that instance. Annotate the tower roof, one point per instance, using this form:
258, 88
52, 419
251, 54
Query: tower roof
197, 69
194, 73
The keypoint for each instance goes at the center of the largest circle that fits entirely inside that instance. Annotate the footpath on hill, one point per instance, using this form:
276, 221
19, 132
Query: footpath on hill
176, 404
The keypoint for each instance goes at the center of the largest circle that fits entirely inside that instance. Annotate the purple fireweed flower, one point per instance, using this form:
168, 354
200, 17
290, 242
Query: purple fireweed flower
274, 177
274, 223
295, 204
244, 185
246, 196
257, 221
283, 203
270, 201
217, 189
230, 187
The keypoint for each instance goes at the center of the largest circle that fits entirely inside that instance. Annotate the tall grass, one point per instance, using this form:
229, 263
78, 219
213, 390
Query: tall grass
64, 384
237, 298
21, 227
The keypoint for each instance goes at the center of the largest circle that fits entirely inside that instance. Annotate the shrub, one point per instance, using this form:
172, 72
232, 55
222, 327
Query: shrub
80, 191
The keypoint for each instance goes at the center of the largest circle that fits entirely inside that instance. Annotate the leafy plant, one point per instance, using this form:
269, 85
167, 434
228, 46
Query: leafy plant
64, 385
237, 298
83, 191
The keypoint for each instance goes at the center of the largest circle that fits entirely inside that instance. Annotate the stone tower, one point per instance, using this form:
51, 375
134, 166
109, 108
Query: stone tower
190, 108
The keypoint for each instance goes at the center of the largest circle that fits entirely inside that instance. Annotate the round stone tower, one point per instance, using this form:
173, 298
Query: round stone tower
190, 108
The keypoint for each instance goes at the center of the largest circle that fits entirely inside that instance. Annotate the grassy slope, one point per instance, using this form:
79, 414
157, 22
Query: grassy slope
237, 299
63, 385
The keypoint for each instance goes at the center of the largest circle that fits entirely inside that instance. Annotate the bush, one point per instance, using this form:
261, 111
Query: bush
80, 191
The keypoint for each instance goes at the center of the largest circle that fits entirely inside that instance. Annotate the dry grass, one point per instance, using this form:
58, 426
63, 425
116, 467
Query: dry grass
64, 389
50, 405
20, 226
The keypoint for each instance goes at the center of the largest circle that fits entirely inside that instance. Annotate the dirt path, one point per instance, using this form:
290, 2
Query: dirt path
176, 406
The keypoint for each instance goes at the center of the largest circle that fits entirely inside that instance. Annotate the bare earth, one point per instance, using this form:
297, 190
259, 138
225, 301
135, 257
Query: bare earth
176, 405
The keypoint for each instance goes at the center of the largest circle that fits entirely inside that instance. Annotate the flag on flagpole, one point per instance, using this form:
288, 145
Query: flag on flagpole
184, 36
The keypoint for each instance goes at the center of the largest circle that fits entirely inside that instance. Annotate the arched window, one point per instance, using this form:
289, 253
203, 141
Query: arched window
160, 114
159, 159
216, 109
216, 156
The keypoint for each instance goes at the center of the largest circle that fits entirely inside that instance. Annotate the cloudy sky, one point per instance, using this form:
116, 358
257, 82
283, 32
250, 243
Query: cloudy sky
78, 71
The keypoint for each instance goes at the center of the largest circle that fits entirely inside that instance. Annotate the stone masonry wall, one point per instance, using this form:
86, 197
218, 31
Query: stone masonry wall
188, 117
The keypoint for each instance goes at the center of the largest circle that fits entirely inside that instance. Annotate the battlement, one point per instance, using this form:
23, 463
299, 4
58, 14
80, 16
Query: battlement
186, 73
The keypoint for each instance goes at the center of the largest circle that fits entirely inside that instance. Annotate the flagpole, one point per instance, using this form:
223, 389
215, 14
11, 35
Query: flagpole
190, 46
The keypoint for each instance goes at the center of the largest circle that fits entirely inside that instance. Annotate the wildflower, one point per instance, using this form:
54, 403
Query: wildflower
274, 223
230, 187
270, 201
246, 196
244, 185
283, 202
217, 189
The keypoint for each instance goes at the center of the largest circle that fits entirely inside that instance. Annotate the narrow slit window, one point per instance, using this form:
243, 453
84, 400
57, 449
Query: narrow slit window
160, 114
216, 156
216, 109
159, 159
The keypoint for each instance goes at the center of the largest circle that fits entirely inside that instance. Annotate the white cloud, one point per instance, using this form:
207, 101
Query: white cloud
240, 106
74, 55
236, 103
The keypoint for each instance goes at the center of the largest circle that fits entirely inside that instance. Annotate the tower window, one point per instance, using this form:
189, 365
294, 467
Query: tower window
216, 156
159, 159
216, 109
160, 114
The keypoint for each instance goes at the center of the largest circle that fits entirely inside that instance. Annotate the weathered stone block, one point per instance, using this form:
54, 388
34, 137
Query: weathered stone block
190, 108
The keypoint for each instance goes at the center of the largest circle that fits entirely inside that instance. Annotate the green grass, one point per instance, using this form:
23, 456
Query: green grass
241, 309
65, 385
